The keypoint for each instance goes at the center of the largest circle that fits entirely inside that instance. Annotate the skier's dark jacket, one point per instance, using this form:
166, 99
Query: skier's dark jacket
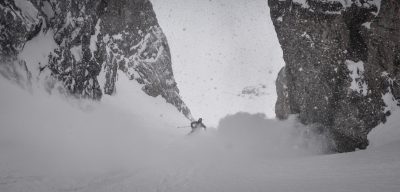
198, 123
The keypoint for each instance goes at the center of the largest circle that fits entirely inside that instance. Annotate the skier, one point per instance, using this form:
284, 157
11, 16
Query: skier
196, 124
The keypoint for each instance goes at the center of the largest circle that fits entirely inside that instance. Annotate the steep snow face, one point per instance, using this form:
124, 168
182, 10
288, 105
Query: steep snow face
36, 52
218, 48
129, 142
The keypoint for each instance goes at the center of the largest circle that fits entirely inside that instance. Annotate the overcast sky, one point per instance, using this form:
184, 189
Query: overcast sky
219, 47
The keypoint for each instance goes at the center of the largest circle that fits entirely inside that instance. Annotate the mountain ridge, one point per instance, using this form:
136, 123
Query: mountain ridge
87, 42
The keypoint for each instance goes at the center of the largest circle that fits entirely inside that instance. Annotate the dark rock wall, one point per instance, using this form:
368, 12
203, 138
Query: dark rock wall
341, 60
95, 39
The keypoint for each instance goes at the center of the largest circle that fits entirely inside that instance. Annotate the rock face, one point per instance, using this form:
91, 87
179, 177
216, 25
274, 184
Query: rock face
84, 44
342, 72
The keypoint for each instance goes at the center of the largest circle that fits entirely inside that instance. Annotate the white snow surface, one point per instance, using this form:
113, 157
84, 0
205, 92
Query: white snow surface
48, 10
357, 75
367, 25
377, 3
93, 38
303, 3
27, 9
117, 36
77, 52
390, 101
36, 52
130, 142
388, 133
345, 3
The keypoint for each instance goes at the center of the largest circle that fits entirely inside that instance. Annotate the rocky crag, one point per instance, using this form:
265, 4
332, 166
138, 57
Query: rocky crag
80, 46
342, 73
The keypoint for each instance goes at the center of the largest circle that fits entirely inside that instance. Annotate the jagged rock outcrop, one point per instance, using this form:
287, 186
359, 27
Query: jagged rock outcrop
342, 65
84, 44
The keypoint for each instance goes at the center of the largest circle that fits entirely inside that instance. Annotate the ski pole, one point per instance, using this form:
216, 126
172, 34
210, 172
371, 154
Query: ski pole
233, 94
183, 127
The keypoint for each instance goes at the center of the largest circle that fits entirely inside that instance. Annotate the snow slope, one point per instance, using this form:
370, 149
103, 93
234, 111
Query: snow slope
130, 142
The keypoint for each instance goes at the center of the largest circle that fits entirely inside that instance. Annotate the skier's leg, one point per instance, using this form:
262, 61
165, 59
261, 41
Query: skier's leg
191, 132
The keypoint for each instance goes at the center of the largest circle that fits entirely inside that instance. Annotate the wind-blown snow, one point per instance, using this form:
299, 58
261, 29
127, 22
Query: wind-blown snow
130, 142
218, 48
